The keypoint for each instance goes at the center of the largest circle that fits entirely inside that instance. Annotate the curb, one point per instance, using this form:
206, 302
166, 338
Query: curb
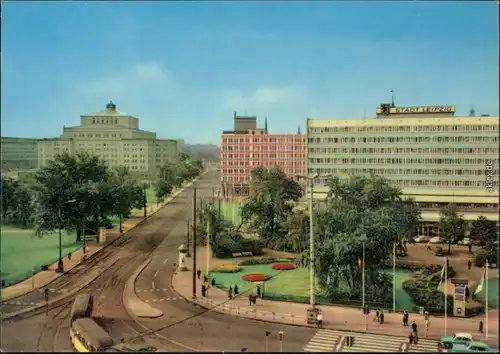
52, 302
130, 295
70, 293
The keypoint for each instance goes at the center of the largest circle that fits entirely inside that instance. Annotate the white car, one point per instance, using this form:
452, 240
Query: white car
421, 238
465, 242
436, 239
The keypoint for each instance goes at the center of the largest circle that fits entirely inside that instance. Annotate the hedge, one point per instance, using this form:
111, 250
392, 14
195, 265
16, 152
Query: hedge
228, 247
248, 262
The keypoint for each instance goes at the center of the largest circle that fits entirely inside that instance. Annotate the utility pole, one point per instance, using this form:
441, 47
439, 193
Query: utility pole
194, 242
188, 253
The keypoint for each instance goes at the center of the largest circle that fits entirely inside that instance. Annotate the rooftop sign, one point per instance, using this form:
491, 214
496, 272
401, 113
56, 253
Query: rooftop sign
387, 109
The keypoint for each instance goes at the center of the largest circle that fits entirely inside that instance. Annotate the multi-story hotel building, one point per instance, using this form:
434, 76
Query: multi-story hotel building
19, 154
428, 152
114, 136
247, 147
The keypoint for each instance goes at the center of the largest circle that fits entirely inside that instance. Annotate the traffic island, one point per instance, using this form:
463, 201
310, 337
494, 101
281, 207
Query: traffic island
134, 306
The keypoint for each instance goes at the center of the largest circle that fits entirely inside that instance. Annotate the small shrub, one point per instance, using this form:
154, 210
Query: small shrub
255, 277
257, 261
283, 266
227, 268
483, 255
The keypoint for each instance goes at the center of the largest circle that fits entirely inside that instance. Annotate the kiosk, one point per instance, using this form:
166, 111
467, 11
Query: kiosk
459, 300
182, 257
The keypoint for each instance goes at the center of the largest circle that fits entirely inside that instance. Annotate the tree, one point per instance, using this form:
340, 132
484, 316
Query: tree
361, 210
167, 179
71, 190
272, 195
451, 225
484, 231
16, 203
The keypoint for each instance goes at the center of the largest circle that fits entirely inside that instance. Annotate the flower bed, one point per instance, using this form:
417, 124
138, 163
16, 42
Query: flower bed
255, 261
283, 266
227, 268
255, 277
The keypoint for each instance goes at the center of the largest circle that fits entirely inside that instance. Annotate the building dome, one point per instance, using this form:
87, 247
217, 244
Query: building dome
111, 106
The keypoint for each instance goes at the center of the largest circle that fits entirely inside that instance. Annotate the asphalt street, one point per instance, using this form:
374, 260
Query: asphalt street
40, 332
207, 330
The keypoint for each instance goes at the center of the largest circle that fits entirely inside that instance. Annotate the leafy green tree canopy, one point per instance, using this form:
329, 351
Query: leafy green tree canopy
451, 225
484, 231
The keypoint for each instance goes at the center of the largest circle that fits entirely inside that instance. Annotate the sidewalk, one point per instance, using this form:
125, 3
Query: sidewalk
43, 278
334, 317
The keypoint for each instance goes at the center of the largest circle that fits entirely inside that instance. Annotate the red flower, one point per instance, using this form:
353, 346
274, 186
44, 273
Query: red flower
283, 266
255, 277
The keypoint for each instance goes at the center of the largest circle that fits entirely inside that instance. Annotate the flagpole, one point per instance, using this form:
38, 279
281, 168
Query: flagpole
363, 276
486, 306
394, 277
445, 296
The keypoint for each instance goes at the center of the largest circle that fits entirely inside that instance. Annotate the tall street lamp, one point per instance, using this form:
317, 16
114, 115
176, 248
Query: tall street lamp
311, 178
60, 264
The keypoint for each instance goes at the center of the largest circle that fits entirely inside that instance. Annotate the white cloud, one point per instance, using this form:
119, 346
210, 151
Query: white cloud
150, 72
276, 94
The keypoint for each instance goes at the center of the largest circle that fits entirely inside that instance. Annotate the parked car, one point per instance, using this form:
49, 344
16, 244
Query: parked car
421, 238
472, 347
439, 251
436, 239
465, 242
458, 338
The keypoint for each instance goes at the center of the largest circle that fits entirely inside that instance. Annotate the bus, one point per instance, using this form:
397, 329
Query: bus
87, 336
82, 307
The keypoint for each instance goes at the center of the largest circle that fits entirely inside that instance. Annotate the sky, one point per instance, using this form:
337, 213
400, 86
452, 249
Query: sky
183, 68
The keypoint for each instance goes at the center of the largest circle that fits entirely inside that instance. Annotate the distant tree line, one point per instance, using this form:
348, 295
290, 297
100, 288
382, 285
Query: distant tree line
76, 192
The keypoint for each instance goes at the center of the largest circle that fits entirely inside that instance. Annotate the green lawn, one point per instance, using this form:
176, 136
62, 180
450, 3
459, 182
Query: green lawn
296, 282
22, 252
492, 293
231, 211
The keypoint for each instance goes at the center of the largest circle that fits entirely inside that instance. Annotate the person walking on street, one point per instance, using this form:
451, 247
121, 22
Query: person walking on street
198, 273
405, 318
230, 292
469, 264
427, 324
470, 247
410, 338
381, 317
319, 320
377, 316
429, 246
480, 326
414, 327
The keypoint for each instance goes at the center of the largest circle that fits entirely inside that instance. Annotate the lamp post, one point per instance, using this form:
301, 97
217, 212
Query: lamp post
60, 264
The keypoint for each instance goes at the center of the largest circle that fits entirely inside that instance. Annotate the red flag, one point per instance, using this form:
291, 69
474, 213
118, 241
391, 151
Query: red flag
360, 263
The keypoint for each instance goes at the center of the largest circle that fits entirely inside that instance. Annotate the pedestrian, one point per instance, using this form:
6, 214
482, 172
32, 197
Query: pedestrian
205, 278
414, 327
429, 246
405, 318
415, 338
236, 290
377, 315
410, 338
250, 299
481, 326
230, 292
447, 262
381, 317
213, 281
470, 247
467, 293
469, 264
203, 290
198, 273
319, 320
258, 290
427, 324
69, 256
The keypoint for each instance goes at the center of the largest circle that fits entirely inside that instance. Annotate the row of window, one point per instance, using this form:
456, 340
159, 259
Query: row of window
107, 120
264, 139
263, 148
258, 163
459, 205
425, 183
409, 161
98, 135
263, 156
246, 178
409, 128
408, 171
412, 150
247, 170
405, 139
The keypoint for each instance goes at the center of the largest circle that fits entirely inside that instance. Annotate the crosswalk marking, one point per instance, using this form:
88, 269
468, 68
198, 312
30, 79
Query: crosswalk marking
368, 342
19, 303
150, 290
162, 299
424, 345
324, 341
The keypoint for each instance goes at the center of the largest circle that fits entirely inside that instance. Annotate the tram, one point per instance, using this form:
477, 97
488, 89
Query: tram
82, 307
88, 336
